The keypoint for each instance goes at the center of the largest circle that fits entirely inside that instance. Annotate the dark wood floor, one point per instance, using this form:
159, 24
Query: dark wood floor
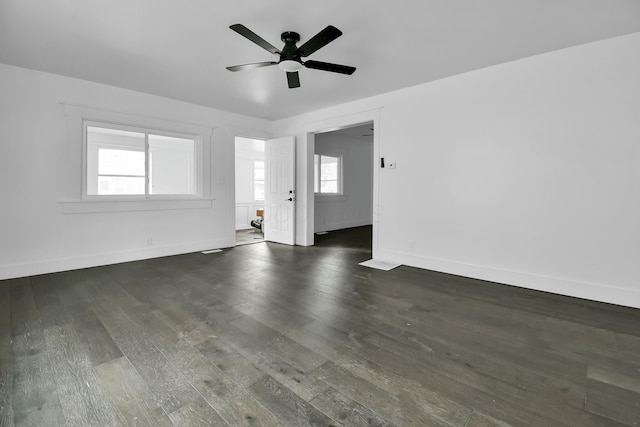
267, 334
249, 236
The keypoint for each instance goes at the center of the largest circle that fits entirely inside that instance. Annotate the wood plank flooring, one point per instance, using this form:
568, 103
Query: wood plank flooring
272, 335
249, 236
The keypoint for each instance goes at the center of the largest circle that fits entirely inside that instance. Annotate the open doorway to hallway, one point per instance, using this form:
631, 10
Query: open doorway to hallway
250, 188
343, 181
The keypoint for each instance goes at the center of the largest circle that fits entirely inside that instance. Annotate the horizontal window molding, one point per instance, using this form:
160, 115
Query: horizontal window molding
104, 206
102, 114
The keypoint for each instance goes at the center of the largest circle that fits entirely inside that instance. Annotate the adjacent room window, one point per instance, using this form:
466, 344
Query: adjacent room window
128, 161
258, 180
328, 174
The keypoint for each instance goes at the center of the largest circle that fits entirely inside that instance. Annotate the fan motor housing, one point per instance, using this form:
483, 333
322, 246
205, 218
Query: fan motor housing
290, 36
290, 51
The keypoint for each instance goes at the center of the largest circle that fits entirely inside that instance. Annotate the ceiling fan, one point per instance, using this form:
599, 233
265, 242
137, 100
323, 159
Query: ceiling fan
290, 57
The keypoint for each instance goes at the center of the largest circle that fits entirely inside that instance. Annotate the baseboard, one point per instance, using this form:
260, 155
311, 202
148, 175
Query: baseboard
64, 264
341, 225
590, 291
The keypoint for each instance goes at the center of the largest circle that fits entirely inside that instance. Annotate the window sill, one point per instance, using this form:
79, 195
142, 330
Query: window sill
100, 206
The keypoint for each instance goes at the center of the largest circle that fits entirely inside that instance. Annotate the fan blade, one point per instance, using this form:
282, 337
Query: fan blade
320, 40
251, 66
293, 79
247, 33
326, 66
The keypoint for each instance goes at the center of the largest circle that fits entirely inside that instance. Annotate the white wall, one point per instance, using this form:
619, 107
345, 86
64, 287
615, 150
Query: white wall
354, 206
40, 168
524, 173
247, 152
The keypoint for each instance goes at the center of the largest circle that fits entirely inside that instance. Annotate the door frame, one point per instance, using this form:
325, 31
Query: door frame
229, 166
328, 125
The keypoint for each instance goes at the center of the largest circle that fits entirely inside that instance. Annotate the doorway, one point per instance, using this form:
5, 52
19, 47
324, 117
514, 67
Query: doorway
250, 190
343, 181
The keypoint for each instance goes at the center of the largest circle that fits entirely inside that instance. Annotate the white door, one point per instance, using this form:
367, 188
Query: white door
279, 197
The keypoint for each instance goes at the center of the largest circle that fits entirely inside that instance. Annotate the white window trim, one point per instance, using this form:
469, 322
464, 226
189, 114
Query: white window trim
253, 182
340, 183
75, 198
197, 163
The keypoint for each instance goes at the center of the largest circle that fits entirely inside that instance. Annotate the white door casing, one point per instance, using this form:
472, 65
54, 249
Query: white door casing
279, 214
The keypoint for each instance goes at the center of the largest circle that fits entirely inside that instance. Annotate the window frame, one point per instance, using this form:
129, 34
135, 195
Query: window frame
317, 179
255, 161
147, 130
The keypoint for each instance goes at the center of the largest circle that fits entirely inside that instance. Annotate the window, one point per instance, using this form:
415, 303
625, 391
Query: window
328, 174
258, 180
128, 161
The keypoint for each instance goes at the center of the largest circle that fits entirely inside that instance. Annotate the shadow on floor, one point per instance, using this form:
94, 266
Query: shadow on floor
353, 238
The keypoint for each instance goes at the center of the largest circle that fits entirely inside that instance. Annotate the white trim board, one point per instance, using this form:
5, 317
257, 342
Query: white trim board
13, 271
98, 206
583, 290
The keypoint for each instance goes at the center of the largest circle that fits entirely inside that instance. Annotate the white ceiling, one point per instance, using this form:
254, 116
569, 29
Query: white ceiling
360, 132
179, 49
